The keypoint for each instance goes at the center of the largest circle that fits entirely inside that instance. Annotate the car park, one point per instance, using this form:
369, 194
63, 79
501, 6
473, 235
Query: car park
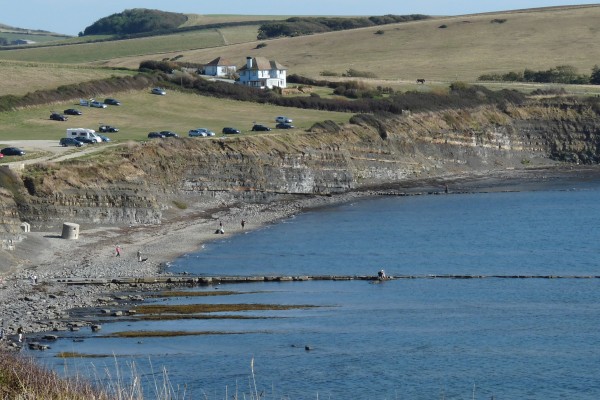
72, 111
12, 151
230, 131
112, 102
86, 140
284, 125
97, 104
159, 91
108, 129
283, 119
58, 117
259, 127
155, 135
169, 134
65, 142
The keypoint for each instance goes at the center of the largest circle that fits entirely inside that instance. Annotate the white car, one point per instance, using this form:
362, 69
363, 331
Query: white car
283, 120
159, 91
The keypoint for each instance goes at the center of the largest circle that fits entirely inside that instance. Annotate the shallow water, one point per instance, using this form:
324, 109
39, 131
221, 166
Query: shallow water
402, 339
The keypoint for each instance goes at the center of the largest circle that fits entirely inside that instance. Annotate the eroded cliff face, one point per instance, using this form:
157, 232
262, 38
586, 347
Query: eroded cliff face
134, 184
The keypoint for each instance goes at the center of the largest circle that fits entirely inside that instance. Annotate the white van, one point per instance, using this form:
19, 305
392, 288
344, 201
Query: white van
83, 133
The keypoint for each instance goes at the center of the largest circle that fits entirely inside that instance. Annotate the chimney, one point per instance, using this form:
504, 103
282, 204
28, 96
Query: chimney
249, 62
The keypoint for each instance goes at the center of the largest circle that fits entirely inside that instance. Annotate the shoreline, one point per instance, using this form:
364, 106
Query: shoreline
45, 306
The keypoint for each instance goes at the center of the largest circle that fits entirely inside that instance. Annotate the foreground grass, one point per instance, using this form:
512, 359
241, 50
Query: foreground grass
21, 378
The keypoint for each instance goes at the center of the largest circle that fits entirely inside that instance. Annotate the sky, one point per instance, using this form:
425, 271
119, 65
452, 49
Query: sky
72, 16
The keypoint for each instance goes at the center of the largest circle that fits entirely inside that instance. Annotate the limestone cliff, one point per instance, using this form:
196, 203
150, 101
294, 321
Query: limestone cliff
134, 183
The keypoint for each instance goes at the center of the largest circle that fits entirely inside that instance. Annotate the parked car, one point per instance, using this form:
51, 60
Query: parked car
283, 119
230, 131
1, 155
72, 111
155, 135
159, 91
258, 127
108, 128
284, 125
104, 138
112, 102
58, 117
201, 132
12, 151
197, 132
169, 134
97, 104
67, 141
86, 140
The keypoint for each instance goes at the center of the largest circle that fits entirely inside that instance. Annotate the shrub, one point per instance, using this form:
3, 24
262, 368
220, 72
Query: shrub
444, 26
379, 32
353, 73
261, 45
498, 20
329, 73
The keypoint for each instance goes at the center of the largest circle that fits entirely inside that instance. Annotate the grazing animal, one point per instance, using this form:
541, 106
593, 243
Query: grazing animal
421, 80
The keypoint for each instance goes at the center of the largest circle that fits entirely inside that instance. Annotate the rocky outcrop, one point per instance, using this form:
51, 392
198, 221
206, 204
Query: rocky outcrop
136, 184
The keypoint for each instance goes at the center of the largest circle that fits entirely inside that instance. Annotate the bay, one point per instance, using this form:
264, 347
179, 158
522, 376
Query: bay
402, 339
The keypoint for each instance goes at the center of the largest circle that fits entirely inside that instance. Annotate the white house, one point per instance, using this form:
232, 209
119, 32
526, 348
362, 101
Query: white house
262, 73
219, 67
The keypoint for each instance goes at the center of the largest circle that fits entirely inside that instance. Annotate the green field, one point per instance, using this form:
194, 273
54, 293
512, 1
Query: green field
153, 47
143, 112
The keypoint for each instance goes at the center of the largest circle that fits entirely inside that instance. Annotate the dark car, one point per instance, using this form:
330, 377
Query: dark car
12, 151
230, 131
108, 128
155, 135
67, 141
72, 111
169, 134
86, 140
58, 117
112, 102
284, 125
259, 127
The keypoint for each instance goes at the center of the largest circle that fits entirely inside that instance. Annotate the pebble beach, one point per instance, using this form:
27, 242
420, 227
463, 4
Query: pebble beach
34, 293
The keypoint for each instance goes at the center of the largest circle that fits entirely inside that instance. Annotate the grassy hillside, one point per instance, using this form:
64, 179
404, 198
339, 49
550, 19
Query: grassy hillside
397, 55
468, 47
143, 112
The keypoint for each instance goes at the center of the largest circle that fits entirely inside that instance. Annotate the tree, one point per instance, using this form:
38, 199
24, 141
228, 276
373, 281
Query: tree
595, 77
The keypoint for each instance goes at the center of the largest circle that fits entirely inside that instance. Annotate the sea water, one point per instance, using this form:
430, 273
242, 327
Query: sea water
422, 338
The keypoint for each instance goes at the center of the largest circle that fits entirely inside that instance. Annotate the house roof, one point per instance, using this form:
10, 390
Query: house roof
262, 64
220, 61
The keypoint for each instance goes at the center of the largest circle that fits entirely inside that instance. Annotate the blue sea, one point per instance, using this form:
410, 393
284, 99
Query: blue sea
422, 338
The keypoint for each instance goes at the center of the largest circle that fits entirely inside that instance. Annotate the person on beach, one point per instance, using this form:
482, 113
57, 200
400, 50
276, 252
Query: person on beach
20, 333
139, 256
221, 230
243, 224
118, 251
381, 275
